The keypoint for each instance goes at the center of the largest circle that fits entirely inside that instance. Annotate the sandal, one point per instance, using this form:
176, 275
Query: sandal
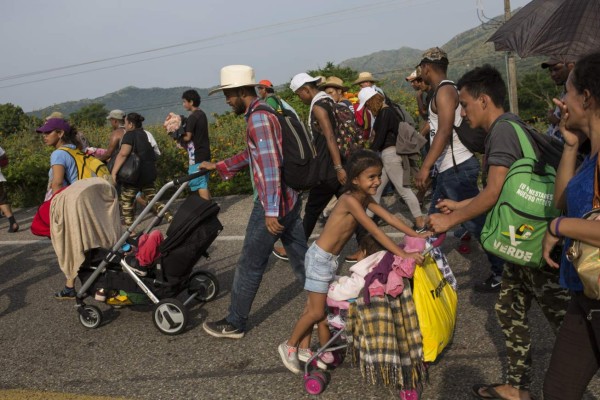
13, 228
490, 389
67, 293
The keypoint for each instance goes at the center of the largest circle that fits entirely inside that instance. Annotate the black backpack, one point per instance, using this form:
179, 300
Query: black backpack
300, 168
400, 112
472, 138
284, 110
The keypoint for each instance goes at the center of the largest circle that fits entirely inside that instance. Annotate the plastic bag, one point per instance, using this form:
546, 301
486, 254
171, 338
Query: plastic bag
436, 302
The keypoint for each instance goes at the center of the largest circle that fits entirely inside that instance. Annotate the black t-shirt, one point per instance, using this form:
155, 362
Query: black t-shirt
323, 155
502, 146
197, 124
138, 140
386, 129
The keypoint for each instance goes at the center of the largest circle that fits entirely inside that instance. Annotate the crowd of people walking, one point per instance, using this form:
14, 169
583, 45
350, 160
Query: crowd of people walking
356, 149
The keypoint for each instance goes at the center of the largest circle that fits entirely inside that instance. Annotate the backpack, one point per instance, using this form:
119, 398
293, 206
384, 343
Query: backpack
408, 140
515, 227
472, 138
400, 111
88, 166
285, 108
348, 135
300, 167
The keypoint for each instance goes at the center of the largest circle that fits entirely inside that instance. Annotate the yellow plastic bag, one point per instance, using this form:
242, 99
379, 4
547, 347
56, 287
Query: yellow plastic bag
435, 301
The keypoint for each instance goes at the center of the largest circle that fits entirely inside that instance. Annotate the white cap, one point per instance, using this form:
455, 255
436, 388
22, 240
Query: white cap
116, 114
300, 80
364, 95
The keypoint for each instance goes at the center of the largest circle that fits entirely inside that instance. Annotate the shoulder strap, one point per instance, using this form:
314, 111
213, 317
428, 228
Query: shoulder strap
442, 83
523, 140
596, 200
72, 153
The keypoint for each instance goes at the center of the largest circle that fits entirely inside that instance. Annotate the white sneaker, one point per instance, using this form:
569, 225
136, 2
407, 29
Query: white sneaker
289, 356
326, 358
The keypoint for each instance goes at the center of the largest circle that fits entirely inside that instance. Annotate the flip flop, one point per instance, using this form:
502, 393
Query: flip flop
493, 394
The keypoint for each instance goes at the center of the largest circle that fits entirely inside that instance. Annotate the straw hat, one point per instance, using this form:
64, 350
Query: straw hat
364, 77
235, 76
334, 82
55, 114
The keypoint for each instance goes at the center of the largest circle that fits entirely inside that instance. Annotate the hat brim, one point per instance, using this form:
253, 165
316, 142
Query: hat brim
332, 85
231, 86
359, 81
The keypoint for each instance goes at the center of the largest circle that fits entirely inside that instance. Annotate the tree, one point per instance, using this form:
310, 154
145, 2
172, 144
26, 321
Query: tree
535, 93
92, 114
12, 119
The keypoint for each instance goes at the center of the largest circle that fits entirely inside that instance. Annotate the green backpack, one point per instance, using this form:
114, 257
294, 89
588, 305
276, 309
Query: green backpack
515, 227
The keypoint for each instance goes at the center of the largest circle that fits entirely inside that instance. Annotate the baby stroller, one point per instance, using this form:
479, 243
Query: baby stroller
193, 229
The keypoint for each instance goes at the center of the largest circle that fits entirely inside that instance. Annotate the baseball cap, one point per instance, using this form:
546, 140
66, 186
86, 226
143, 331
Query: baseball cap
435, 55
54, 124
116, 114
300, 80
265, 83
552, 61
364, 95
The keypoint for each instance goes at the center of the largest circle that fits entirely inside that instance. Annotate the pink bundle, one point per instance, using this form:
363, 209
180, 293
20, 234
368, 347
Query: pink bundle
172, 122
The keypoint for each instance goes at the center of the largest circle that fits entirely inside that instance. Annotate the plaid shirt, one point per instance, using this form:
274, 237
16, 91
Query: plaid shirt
264, 156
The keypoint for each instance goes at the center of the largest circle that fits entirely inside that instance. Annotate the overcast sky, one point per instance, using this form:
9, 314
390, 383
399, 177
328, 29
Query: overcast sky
278, 38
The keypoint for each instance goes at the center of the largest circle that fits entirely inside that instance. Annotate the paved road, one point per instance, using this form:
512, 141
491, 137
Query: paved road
45, 350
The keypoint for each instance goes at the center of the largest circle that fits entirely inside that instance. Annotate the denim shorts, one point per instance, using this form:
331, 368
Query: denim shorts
320, 269
200, 182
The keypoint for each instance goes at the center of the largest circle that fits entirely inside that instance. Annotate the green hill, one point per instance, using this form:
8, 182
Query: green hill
153, 103
465, 51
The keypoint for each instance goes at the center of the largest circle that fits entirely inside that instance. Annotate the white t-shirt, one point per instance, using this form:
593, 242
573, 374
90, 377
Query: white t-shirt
153, 143
461, 153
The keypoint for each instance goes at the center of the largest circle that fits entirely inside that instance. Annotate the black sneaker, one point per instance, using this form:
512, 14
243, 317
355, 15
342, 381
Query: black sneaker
490, 285
222, 329
66, 293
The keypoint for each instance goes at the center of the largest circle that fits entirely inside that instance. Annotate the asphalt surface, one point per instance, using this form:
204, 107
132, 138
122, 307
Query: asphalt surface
47, 354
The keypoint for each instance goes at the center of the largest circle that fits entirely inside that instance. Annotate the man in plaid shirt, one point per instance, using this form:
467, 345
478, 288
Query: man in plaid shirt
276, 211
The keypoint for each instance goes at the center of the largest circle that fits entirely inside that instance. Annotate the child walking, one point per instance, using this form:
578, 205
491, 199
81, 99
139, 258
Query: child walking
364, 177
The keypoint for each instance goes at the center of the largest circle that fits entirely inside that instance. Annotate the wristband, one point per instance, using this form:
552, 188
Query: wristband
556, 231
550, 230
338, 167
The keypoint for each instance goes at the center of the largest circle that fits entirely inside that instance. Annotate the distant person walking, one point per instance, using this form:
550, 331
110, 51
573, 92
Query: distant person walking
13, 226
196, 138
136, 138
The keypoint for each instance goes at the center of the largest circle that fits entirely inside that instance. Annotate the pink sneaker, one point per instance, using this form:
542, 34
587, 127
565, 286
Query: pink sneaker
326, 358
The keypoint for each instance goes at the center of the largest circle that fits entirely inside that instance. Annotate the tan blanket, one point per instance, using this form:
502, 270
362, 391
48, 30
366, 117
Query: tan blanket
82, 217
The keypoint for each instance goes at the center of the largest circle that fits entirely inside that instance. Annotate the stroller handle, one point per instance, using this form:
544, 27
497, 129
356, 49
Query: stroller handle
187, 178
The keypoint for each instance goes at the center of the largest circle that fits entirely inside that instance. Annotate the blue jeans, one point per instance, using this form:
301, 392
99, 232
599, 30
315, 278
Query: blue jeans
460, 183
256, 250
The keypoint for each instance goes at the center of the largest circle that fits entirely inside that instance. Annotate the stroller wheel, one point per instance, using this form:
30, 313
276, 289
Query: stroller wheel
205, 285
90, 317
170, 316
314, 383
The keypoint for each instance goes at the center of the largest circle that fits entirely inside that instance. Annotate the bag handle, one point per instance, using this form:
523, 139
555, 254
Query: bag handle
596, 200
